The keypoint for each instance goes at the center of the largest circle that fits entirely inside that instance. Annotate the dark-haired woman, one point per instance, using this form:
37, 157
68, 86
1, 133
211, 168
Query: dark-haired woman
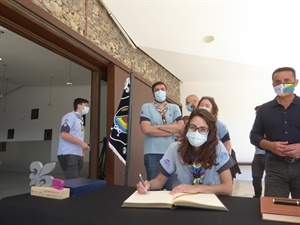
200, 161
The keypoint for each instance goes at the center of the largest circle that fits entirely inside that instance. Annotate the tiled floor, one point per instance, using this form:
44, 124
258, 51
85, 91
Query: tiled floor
13, 183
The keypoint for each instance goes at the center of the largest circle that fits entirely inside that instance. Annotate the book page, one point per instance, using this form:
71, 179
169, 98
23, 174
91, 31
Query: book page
206, 201
150, 199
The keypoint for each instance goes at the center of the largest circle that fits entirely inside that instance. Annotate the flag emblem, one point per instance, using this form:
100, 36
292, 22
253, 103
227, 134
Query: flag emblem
119, 129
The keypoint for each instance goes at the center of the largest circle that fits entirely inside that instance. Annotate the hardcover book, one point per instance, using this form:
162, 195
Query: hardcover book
163, 199
80, 186
279, 212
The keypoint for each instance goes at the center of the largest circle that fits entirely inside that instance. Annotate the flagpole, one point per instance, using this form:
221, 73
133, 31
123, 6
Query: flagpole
129, 129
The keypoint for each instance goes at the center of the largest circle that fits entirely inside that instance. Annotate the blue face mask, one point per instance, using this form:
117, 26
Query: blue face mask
160, 96
85, 110
189, 108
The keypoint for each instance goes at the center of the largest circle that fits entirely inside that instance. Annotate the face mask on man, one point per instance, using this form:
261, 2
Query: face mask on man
195, 138
189, 108
160, 96
283, 90
85, 110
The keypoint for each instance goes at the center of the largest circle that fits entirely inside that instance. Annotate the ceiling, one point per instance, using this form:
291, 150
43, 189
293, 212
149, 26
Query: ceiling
251, 39
25, 63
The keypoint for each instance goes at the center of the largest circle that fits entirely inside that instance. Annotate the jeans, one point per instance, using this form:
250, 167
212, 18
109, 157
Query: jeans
152, 169
282, 178
258, 168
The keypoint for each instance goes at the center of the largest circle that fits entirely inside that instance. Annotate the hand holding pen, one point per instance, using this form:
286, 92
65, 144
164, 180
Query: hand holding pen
142, 186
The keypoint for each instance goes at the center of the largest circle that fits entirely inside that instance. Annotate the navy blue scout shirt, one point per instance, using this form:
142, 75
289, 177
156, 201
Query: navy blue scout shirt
277, 123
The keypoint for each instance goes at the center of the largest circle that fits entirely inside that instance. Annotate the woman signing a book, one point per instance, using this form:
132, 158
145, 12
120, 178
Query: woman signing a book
200, 161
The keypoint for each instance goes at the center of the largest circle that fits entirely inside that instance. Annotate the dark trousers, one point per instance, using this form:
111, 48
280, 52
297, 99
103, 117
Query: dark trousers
152, 169
258, 168
71, 165
282, 178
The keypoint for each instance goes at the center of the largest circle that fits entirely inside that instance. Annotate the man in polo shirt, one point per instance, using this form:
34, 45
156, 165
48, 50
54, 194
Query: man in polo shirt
71, 140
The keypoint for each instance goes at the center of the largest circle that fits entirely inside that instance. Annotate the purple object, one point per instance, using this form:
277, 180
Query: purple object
58, 184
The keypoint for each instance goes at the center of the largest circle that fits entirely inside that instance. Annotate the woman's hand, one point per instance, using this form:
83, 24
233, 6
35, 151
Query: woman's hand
141, 189
184, 188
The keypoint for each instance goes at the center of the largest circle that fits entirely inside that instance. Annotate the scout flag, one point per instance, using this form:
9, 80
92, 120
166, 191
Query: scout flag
119, 130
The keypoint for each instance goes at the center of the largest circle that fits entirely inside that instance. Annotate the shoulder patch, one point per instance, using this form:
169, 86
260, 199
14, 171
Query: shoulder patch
223, 155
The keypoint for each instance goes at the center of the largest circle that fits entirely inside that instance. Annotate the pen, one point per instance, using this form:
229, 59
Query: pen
142, 180
286, 201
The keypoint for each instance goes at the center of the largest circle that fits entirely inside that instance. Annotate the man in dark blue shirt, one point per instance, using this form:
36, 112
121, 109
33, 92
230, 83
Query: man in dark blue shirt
277, 129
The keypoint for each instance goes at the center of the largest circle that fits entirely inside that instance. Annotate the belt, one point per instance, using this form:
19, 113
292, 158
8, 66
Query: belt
281, 158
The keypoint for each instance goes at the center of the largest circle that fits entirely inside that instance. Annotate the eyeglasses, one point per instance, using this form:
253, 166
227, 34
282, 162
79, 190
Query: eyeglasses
201, 130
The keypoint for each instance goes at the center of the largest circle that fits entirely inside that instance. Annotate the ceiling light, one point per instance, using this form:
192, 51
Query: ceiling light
208, 39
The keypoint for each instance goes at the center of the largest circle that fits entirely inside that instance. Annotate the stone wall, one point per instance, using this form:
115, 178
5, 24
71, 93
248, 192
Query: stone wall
91, 20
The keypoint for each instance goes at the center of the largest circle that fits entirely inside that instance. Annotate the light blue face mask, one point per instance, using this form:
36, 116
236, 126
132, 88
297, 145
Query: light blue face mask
160, 96
189, 108
85, 110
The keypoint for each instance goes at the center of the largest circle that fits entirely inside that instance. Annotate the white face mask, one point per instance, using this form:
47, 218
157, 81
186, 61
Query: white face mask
85, 110
195, 138
203, 107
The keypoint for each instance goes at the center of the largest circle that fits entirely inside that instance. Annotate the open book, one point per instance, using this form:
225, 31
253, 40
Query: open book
279, 212
163, 199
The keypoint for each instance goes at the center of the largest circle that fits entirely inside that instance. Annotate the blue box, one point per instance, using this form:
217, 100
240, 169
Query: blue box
80, 186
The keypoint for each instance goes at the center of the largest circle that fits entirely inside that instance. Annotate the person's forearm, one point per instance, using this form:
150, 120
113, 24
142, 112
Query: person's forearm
218, 189
172, 128
265, 144
154, 130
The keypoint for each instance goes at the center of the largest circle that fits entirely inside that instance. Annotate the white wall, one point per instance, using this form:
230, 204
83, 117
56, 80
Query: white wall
236, 100
28, 144
18, 113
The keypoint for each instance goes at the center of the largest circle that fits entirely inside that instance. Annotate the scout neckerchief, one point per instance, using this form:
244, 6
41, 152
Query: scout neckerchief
162, 112
198, 173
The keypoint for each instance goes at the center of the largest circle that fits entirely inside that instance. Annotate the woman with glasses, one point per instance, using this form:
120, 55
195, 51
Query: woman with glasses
200, 161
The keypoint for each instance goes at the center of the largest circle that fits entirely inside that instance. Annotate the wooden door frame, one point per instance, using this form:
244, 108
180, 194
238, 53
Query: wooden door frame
30, 21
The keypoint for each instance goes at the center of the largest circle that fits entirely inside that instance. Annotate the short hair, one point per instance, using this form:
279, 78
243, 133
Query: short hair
280, 69
256, 107
79, 101
158, 83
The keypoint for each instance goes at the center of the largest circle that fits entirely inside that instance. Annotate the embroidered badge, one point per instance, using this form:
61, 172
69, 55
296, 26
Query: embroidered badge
223, 155
167, 162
